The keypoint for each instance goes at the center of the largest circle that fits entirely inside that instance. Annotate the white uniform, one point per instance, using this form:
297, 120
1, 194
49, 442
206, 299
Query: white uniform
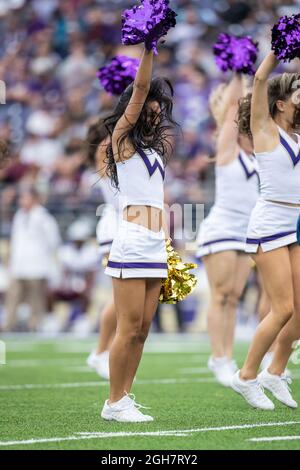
225, 227
273, 225
138, 252
107, 226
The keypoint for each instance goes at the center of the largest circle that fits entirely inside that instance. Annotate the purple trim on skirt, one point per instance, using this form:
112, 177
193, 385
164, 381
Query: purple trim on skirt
114, 264
220, 240
258, 241
109, 242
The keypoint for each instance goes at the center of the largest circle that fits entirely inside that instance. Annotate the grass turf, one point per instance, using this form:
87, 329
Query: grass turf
190, 402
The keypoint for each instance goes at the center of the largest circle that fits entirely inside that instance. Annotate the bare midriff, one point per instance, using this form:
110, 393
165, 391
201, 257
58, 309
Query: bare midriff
291, 204
147, 216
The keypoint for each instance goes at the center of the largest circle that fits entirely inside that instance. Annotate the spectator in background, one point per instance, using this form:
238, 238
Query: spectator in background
79, 260
4, 153
34, 240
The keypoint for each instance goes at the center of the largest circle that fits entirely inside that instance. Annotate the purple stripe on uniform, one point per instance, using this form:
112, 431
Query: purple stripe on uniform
151, 168
258, 241
105, 243
114, 264
220, 240
248, 173
295, 158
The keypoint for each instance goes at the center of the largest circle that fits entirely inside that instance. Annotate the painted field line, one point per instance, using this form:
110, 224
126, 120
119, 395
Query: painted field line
274, 438
73, 361
40, 362
173, 432
190, 370
194, 370
103, 384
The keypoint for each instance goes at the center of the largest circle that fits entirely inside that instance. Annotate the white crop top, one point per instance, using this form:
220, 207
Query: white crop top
279, 170
110, 194
141, 179
237, 184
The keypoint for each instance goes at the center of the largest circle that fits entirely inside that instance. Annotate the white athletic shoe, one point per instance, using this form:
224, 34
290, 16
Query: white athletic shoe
266, 362
252, 391
233, 366
125, 410
278, 386
100, 363
221, 369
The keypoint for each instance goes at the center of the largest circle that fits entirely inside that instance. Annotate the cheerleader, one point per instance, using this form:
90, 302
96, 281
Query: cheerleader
222, 236
138, 260
273, 118
106, 230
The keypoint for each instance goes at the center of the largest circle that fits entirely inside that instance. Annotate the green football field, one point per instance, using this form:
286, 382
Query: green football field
51, 400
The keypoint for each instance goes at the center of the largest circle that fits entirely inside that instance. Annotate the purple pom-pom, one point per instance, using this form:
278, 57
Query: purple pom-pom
235, 53
286, 38
118, 74
147, 23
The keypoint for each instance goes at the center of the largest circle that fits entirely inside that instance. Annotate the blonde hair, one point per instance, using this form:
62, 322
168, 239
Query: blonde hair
280, 87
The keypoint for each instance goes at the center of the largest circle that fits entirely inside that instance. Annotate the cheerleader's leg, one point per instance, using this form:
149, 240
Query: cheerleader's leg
153, 287
276, 271
129, 296
291, 331
242, 271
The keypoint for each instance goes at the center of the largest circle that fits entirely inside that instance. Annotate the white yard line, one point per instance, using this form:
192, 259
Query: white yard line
194, 370
274, 438
103, 384
175, 432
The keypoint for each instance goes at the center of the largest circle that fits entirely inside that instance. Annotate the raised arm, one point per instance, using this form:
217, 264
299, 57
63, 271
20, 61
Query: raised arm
227, 146
263, 128
134, 108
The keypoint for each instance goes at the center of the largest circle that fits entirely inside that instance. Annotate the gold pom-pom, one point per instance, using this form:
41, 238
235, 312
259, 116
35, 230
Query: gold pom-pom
105, 260
179, 283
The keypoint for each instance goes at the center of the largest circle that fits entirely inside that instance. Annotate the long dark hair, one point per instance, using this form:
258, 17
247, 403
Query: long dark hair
96, 133
150, 131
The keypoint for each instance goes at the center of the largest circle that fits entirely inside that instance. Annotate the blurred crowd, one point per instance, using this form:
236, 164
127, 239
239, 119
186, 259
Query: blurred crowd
50, 51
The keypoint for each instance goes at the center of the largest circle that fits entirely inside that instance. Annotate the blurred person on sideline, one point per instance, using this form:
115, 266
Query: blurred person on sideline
34, 240
79, 261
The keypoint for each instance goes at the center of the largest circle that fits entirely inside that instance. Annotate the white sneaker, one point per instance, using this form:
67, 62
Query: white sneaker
100, 363
221, 369
252, 391
125, 410
233, 366
278, 386
267, 360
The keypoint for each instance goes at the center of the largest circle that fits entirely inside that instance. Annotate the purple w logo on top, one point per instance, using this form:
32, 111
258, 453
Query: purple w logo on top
151, 167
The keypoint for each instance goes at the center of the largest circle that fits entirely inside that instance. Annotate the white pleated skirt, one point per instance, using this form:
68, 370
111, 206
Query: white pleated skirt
222, 230
272, 225
107, 228
137, 252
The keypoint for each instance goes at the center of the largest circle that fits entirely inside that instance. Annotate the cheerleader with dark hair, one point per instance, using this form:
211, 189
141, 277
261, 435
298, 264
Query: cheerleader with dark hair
137, 154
